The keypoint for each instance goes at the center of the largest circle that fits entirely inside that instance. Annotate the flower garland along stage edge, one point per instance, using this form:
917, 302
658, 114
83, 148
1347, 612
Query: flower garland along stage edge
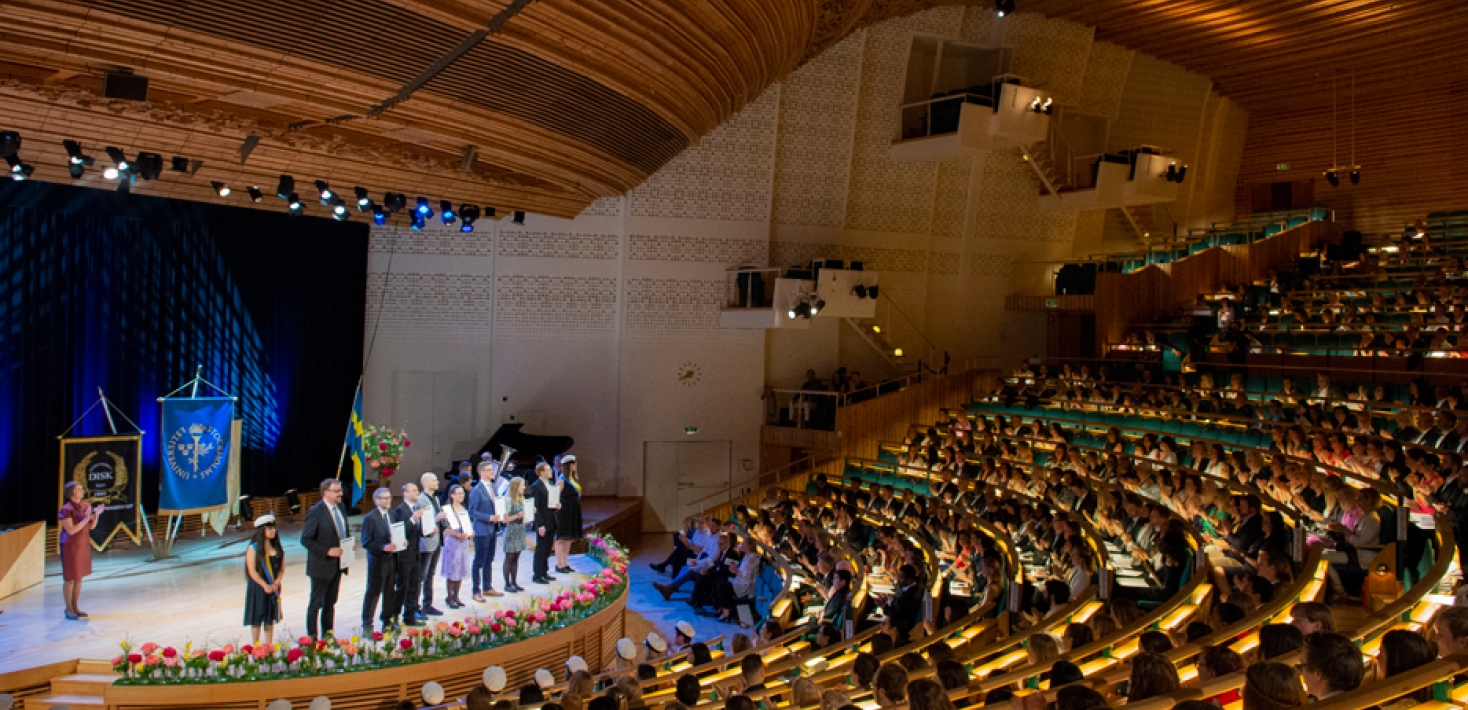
152, 664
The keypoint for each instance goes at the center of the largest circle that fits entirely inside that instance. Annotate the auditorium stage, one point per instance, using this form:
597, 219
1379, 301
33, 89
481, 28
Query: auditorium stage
200, 596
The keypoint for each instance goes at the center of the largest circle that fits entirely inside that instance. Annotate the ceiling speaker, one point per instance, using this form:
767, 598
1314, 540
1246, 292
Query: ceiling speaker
125, 86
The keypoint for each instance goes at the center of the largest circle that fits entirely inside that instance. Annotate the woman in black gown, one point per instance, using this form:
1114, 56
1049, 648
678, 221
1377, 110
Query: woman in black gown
568, 518
264, 567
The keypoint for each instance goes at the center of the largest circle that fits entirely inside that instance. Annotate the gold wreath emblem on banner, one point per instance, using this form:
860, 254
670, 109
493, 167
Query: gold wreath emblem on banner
119, 476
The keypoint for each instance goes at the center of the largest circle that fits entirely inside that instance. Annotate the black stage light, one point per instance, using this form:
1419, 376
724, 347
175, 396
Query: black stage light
817, 306
872, 292
255, 194
394, 201
293, 203
424, 210
802, 310
1171, 173
220, 188
22, 172
860, 290
325, 190
1004, 7
1355, 177
285, 189
150, 166
339, 209
416, 221
446, 211
125, 180
119, 159
9, 144
518, 218
1332, 178
363, 201
489, 212
469, 214
379, 215
180, 164
1182, 173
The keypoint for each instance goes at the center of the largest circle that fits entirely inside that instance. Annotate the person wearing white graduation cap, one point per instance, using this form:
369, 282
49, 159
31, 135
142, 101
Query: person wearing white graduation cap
684, 636
656, 645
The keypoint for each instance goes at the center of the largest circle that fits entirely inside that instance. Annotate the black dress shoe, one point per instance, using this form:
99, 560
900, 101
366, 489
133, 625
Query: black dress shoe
539, 580
431, 611
657, 567
412, 621
565, 570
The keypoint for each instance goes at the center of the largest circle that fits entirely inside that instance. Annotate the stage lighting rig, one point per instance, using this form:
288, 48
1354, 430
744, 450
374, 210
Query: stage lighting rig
150, 166
9, 144
339, 209
423, 210
379, 215
518, 217
76, 161
325, 190
220, 188
446, 212
364, 203
1003, 8
293, 204
255, 194
285, 188
468, 213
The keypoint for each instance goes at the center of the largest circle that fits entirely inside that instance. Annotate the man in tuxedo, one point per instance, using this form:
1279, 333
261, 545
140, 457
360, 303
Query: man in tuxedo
429, 545
326, 527
405, 593
382, 563
545, 524
486, 529
905, 608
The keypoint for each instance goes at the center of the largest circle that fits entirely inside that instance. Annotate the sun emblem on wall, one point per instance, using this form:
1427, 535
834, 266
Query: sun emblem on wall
689, 373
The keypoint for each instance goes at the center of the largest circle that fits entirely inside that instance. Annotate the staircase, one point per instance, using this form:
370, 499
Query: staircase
1043, 162
80, 691
904, 364
898, 339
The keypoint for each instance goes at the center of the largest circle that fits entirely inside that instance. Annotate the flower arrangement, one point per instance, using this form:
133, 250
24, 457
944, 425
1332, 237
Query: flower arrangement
384, 449
151, 664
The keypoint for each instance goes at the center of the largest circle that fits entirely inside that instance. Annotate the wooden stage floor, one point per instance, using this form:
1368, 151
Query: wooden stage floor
200, 597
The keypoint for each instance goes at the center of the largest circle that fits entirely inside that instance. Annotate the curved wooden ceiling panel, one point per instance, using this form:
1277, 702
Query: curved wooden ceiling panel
563, 101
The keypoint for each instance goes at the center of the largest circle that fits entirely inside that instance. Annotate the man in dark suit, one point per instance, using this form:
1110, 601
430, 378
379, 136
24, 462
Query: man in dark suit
405, 593
326, 527
1085, 502
545, 524
382, 563
905, 608
838, 600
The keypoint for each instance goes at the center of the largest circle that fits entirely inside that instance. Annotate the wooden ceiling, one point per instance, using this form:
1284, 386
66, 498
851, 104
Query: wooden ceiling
564, 101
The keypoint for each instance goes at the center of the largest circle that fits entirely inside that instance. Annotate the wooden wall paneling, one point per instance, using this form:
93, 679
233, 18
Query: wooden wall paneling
864, 424
22, 558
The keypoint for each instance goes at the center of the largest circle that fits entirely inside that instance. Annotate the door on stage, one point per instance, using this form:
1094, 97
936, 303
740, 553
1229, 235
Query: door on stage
437, 410
680, 478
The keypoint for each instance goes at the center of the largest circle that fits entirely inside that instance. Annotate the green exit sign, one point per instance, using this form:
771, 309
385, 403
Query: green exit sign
1052, 303
690, 430
1281, 166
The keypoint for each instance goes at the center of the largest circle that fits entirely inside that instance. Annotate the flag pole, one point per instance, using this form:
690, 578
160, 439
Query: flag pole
343, 458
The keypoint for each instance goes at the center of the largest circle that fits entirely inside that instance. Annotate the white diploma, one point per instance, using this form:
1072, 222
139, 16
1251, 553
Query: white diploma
426, 522
349, 553
529, 511
399, 536
499, 507
553, 496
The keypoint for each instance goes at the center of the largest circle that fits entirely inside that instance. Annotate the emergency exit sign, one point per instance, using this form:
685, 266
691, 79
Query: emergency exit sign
1281, 166
690, 430
1052, 303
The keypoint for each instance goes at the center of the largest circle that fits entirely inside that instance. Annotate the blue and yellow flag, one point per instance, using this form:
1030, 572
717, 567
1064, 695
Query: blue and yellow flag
354, 447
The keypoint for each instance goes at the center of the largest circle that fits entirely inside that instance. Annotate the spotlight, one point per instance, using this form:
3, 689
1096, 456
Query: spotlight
1049, 105
110, 173
22, 172
179, 164
872, 292
220, 189
255, 195
119, 159
325, 190
446, 211
285, 189
791, 313
125, 182
394, 201
860, 290
489, 212
1004, 7
468, 213
423, 209
802, 310
817, 306
379, 216
1171, 174
76, 162
1332, 178
339, 209
293, 203
1182, 173
1355, 177
417, 222
150, 166
9, 144
363, 201
518, 217
13, 162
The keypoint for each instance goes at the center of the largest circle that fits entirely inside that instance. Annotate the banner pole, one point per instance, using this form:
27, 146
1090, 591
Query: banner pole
107, 409
198, 375
341, 460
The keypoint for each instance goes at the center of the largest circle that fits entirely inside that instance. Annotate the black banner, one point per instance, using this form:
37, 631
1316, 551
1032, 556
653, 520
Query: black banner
109, 470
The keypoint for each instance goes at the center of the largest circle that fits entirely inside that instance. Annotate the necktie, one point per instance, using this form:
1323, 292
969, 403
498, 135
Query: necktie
341, 526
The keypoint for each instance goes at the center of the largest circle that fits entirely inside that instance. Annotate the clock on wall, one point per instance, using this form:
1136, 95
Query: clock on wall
689, 373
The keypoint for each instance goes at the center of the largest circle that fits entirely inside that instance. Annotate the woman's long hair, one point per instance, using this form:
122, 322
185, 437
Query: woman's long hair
517, 490
259, 541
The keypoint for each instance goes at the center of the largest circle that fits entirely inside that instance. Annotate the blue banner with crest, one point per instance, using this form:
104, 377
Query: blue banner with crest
196, 441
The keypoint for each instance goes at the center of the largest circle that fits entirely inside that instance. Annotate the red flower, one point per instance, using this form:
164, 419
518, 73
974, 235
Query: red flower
494, 627
320, 646
382, 446
294, 655
304, 641
407, 443
135, 658
376, 635
247, 649
216, 656
405, 644
170, 652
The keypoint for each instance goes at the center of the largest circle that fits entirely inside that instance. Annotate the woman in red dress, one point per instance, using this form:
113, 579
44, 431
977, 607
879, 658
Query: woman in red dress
77, 521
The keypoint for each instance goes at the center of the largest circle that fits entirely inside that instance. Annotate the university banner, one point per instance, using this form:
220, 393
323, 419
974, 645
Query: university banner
109, 469
197, 439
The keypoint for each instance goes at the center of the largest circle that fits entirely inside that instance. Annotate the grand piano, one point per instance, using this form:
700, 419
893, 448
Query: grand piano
527, 449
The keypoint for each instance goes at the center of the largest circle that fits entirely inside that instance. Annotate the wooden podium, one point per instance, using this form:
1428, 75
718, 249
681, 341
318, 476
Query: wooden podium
22, 558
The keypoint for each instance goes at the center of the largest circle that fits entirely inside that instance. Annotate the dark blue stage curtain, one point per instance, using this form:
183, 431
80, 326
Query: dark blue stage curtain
132, 293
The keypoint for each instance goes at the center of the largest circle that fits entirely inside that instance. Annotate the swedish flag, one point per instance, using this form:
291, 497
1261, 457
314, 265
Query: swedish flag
354, 446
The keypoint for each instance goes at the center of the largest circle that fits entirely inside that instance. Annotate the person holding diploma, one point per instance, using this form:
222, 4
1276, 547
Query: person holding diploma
486, 529
431, 546
545, 522
325, 530
382, 564
264, 568
514, 533
568, 517
458, 532
405, 594
77, 520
